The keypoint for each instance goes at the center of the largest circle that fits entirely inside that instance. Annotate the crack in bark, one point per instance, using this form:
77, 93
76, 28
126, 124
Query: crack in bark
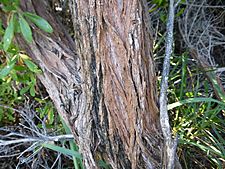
110, 104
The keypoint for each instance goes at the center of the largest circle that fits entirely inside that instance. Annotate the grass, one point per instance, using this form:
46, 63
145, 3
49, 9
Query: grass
196, 116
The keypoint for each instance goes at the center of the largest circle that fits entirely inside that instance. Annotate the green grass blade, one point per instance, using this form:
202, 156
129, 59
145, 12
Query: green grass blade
193, 100
220, 142
62, 150
183, 75
73, 147
202, 147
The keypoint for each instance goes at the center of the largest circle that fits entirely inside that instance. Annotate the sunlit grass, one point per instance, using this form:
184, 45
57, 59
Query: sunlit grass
197, 116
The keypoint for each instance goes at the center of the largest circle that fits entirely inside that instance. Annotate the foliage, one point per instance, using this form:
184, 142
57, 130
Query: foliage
197, 118
18, 80
73, 147
18, 22
62, 150
17, 77
196, 114
18, 74
17, 70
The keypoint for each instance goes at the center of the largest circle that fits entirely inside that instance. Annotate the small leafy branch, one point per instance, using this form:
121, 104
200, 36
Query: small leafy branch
18, 22
18, 74
17, 70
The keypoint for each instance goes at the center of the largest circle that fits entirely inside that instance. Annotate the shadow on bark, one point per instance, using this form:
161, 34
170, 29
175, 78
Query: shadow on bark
103, 84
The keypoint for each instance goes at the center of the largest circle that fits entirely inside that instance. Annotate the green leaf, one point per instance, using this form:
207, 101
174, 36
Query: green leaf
8, 8
24, 90
16, 3
180, 12
25, 29
1, 28
73, 146
9, 33
50, 115
65, 126
1, 114
6, 70
203, 147
20, 68
32, 90
10, 5
39, 21
10, 116
163, 17
31, 65
62, 150
103, 164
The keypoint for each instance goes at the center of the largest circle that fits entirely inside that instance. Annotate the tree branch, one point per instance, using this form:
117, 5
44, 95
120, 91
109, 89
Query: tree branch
170, 144
36, 139
27, 135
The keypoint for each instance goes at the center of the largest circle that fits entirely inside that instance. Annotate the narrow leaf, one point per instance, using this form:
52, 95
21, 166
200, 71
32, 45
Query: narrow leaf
1, 114
32, 91
31, 65
65, 126
25, 29
24, 90
39, 21
62, 150
6, 70
50, 115
73, 146
23, 56
193, 100
8, 36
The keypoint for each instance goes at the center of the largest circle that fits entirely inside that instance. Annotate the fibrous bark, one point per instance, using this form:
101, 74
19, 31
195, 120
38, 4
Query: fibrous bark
106, 90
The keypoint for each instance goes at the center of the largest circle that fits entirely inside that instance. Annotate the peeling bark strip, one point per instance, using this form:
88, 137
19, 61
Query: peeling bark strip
107, 92
55, 55
114, 44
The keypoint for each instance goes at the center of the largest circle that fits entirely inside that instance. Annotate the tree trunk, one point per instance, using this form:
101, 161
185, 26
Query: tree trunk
106, 90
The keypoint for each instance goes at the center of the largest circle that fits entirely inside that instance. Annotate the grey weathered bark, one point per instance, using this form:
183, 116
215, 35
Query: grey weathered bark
106, 90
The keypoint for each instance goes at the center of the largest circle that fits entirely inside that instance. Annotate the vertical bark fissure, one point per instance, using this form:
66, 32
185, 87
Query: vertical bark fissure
106, 90
113, 33
135, 86
56, 57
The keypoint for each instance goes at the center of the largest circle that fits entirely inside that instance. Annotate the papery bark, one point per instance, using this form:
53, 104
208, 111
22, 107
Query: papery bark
104, 84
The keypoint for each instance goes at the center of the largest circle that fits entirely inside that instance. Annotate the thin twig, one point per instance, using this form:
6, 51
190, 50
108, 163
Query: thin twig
203, 34
170, 144
32, 138
203, 6
177, 3
37, 139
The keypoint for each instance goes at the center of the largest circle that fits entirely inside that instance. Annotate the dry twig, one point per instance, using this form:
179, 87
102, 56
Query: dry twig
170, 144
201, 29
12, 139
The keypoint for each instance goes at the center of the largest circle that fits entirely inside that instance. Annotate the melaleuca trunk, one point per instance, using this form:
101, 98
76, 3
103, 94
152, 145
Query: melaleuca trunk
104, 83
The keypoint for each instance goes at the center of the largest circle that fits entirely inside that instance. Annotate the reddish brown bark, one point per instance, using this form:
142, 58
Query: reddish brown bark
107, 91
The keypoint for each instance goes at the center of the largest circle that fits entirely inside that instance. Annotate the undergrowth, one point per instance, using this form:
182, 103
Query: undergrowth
196, 116
26, 112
